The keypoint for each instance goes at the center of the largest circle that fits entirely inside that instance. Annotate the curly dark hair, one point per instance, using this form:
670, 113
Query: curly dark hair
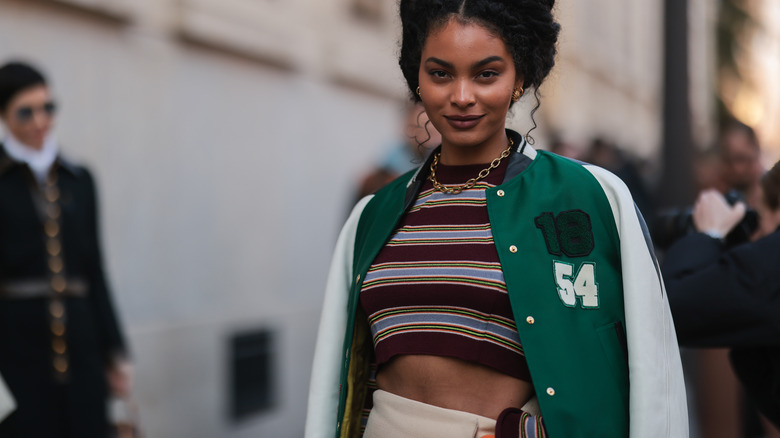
527, 27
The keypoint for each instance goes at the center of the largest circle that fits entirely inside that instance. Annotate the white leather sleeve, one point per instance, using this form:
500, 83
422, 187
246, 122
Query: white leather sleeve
658, 405
326, 368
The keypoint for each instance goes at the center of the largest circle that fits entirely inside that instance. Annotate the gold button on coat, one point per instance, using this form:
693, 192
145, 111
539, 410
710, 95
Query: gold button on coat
512, 248
52, 228
55, 264
57, 309
58, 328
500, 193
60, 364
58, 345
530, 320
53, 247
53, 211
550, 391
52, 193
58, 284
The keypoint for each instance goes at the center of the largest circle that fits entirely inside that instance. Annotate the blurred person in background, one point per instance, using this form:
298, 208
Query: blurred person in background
605, 154
741, 169
495, 285
734, 169
420, 137
730, 298
566, 149
61, 348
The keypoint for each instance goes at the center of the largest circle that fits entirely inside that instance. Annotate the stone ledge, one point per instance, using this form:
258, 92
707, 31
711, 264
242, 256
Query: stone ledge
116, 10
260, 31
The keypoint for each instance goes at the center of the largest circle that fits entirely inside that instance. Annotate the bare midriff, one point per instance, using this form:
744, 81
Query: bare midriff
453, 384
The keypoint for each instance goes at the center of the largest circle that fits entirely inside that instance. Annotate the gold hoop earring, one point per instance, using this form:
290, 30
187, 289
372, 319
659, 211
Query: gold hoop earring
517, 94
418, 92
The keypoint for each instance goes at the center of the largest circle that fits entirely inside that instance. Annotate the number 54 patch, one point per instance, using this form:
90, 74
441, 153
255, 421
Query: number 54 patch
582, 285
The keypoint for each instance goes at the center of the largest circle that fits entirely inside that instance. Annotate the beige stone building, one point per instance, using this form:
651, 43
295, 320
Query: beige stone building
754, 95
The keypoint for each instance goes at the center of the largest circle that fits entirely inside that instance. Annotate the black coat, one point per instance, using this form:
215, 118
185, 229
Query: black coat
731, 299
54, 399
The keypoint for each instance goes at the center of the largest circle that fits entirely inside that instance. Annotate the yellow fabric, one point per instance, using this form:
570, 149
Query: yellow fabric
357, 378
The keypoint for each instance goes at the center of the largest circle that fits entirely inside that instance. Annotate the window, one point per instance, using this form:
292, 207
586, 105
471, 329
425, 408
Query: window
251, 373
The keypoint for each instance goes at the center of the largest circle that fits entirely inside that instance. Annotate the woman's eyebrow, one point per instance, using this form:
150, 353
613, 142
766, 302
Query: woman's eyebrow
441, 62
477, 64
488, 60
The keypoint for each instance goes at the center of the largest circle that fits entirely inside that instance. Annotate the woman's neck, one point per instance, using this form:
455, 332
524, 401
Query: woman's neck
485, 152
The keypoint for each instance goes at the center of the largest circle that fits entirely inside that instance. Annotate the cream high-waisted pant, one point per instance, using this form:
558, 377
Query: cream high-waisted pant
397, 417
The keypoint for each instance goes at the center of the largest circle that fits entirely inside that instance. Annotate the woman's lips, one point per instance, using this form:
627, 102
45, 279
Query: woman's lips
463, 121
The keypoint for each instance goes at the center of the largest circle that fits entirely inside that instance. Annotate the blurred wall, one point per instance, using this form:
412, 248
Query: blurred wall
226, 137
608, 79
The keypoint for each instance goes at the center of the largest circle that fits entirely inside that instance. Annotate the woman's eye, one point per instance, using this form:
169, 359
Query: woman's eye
487, 75
439, 74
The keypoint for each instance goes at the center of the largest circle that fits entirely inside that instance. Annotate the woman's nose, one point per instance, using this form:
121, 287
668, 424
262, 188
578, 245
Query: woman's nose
463, 94
41, 119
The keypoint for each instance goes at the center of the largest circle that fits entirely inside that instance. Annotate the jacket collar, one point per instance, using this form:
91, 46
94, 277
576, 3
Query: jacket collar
521, 157
7, 163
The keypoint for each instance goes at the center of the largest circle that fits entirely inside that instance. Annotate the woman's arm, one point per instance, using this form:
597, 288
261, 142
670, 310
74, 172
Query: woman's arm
657, 400
326, 368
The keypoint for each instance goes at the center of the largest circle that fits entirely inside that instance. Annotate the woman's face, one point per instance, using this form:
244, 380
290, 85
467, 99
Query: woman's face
30, 115
467, 77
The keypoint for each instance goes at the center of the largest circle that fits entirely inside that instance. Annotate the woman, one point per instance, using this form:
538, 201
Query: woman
60, 345
495, 287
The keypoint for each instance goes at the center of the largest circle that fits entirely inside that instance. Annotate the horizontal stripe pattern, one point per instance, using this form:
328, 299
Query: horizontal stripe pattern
443, 235
477, 274
451, 320
473, 197
437, 286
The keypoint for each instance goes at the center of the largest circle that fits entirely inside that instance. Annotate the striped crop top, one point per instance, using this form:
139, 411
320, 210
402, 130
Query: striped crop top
437, 288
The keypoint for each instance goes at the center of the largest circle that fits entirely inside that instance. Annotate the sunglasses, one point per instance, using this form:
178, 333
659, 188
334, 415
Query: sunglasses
26, 113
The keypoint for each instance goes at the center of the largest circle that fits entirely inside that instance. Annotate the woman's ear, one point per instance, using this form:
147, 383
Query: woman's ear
519, 81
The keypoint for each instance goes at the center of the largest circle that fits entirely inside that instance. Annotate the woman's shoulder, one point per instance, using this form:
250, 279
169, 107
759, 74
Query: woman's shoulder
399, 184
576, 172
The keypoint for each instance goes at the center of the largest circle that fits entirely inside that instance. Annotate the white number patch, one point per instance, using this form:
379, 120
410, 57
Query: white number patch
582, 285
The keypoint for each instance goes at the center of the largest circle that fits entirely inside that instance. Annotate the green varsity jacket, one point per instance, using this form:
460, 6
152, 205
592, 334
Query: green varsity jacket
585, 290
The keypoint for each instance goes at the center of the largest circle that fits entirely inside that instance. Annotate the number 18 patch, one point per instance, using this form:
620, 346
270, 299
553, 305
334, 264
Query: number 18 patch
570, 233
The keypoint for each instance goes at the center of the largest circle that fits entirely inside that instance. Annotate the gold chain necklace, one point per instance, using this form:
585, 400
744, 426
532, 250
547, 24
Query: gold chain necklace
470, 183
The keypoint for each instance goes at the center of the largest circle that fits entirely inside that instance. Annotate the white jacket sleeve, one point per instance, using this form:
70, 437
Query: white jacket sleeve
326, 368
657, 400
7, 403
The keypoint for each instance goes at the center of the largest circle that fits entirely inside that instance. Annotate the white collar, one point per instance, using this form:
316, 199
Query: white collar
39, 160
